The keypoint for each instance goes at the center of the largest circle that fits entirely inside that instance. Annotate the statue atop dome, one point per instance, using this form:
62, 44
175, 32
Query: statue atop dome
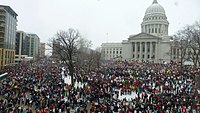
155, 2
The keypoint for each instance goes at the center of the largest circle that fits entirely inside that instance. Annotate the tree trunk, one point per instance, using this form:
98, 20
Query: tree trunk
71, 72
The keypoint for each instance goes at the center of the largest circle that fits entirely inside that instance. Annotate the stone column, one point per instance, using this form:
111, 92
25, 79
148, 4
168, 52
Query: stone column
140, 50
150, 28
135, 50
156, 52
145, 57
151, 50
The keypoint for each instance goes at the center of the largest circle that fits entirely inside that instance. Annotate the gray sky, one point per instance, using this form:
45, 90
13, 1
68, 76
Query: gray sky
95, 18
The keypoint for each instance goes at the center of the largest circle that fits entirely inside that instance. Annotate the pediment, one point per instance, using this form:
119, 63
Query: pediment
143, 36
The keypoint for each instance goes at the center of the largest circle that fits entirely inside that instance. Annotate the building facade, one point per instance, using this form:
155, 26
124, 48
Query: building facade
42, 50
27, 44
8, 23
33, 42
20, 44
153, 43
111, 51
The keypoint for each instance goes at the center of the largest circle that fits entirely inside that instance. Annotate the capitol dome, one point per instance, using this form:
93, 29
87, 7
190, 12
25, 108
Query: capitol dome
155, 21
155, 8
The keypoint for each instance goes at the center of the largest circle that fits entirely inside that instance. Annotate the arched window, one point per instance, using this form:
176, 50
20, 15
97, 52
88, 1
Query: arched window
155, 30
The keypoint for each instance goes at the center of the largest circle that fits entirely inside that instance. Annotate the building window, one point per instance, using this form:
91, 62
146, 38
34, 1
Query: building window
155, 30
152, 30
120, 52
149, 30
143, 47
154, 47
142, 56
138, 48
148, 56
174, 51
177, 51
148, 47
138, 56
133, 55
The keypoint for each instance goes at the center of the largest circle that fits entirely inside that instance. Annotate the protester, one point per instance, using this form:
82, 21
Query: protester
39, 87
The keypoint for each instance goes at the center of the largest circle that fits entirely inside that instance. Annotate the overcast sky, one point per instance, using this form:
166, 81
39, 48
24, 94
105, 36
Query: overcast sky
95, 18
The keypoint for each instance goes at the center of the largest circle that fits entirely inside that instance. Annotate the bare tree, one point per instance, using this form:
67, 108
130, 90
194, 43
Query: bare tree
180, 44
193, 34
92, 60
65, 48
84, 44
83, 52
189, 43
87, 58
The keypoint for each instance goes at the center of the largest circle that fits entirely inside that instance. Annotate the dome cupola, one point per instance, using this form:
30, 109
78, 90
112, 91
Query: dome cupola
155, 8
155, 21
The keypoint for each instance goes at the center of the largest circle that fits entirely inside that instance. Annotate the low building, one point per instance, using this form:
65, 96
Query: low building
111, 51
22, 58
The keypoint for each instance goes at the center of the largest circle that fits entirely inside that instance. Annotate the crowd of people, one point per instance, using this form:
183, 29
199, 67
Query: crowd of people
154, 88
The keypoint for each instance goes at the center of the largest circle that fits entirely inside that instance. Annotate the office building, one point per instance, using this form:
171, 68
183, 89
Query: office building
20, 45
33, 42
8, 23
27, 44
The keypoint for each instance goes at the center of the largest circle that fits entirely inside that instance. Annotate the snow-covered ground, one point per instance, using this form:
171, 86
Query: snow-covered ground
128, 97
67, 80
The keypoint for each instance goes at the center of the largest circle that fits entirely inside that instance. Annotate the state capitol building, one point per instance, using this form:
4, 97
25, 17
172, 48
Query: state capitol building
152, 44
